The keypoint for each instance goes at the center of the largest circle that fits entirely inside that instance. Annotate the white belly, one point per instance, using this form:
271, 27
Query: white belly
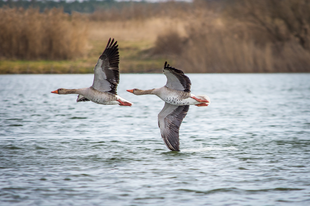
175, 97
102, 101
174, 100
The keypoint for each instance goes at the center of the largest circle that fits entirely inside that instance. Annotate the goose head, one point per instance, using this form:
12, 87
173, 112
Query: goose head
140, 91
64, 91
132, 90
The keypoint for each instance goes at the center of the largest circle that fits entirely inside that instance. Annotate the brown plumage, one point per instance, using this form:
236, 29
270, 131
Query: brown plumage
177, 96
106, 79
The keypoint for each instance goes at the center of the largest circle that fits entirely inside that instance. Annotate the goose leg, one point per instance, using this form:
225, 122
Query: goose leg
202, 105
123, 103
200, 100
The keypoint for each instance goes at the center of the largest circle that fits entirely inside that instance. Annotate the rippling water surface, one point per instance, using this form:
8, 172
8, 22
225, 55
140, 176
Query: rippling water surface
251, 146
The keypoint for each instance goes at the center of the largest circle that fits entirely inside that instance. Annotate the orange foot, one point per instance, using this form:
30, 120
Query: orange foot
123, 103
200, 100
202, 105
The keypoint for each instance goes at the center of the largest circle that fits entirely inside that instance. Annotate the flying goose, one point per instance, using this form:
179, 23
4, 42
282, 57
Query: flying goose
177, 97
106, 79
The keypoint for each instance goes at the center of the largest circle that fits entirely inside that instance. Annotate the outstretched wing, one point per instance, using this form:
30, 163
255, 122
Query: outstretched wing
106, 72
176, 79
81, 98
169, 121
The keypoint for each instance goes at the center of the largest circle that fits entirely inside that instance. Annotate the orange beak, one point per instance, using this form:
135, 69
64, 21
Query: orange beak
130, 90
55, 92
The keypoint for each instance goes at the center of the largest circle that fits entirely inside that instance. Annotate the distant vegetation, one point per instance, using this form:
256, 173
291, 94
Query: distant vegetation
30, 34
203, 36
247, 36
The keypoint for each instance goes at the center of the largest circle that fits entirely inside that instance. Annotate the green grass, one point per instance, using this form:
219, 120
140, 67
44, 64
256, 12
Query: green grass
135, 57
44, 67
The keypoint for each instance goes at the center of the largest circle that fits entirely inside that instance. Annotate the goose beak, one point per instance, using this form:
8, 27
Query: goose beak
130, 90
55, 92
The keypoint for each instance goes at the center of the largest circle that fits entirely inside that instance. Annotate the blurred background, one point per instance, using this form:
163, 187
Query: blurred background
198, 36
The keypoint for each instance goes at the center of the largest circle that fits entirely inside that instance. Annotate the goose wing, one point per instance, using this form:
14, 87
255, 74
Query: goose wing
169, 121
176, 79
106, 72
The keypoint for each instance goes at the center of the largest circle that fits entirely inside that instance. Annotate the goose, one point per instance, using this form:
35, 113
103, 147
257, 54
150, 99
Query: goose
106, 79
177, 97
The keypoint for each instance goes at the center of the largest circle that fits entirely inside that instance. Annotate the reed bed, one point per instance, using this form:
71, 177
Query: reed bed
31, 35
203, 36
142, 11
249, 36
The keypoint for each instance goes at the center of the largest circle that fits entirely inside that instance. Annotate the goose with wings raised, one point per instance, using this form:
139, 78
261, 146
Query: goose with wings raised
106, 79
177, 97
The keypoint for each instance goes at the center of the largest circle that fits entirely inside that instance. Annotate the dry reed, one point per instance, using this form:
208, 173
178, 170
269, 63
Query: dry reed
31, 35
142, 11
250, 36
239, 36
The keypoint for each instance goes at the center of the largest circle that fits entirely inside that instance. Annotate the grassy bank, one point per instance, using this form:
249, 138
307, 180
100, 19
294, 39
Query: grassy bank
216, 36
136, 39
131, 61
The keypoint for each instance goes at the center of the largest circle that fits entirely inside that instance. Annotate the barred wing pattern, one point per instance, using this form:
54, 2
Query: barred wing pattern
176, 79
169, 121
106, 70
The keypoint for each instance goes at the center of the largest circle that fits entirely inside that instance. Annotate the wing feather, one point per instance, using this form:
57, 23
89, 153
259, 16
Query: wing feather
81, 98
106, 72
176, 79
169, 121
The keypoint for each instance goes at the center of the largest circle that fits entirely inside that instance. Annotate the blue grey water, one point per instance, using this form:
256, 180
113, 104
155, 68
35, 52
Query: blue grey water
251, 146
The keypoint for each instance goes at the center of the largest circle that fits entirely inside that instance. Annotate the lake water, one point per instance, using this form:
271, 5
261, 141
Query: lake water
251, 146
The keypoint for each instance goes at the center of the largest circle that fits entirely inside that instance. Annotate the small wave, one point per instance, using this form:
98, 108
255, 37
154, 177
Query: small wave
78, 118
237, 190
11, 147
218, 190
203, 149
